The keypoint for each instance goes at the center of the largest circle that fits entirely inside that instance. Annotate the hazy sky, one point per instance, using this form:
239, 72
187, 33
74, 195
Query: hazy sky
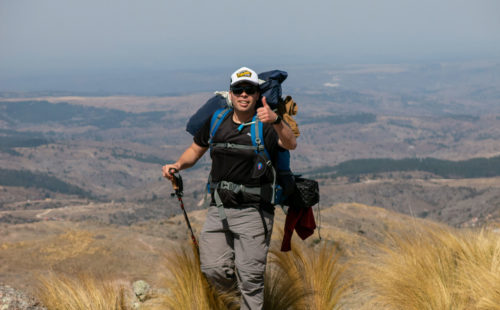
40, 37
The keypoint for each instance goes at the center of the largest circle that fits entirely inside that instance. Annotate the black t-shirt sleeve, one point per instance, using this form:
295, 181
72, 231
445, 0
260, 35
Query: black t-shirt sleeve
203, 135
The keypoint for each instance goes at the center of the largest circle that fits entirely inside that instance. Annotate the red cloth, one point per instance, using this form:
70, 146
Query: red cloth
302, 221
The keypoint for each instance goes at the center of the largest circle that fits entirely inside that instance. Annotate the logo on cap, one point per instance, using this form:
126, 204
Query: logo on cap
244, 73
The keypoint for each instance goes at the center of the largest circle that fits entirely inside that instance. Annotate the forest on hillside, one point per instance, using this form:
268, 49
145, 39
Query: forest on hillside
28, 179
472, 168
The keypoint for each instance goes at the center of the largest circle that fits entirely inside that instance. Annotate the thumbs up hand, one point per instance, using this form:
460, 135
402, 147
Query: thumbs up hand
265, 113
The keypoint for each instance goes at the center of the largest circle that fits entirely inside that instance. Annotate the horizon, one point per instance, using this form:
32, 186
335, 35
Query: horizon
63, 46
183, 82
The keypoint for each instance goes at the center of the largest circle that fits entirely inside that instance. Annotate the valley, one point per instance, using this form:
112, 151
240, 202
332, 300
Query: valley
81, 184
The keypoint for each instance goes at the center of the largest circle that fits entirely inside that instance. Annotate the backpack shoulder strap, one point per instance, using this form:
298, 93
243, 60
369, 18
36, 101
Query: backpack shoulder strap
257, 134
216, 120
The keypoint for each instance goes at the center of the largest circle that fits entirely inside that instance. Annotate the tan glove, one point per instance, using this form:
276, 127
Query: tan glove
286, 110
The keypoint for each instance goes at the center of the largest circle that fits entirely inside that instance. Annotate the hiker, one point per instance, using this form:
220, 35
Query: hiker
238, 226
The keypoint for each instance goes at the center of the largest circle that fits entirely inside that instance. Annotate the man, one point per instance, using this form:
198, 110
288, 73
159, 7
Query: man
239, 220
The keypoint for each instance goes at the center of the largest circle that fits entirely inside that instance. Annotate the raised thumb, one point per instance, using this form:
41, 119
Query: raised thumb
264, 102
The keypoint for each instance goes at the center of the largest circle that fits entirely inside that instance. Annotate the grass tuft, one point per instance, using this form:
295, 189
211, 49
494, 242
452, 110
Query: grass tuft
83, 292
436, 267
282, 290
305, 278
187, 287
316, 272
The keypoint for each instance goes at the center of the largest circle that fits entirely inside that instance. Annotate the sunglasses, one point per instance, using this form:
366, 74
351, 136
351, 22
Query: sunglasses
249, 90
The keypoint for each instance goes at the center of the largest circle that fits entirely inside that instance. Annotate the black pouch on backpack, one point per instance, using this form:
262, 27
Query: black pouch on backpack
259, 167
305, 195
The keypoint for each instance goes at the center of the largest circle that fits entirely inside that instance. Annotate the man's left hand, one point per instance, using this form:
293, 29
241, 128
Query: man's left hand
265, 113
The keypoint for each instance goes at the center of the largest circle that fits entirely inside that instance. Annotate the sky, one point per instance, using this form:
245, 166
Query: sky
45, 39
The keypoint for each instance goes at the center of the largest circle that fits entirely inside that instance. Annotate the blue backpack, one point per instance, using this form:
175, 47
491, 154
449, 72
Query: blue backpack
270, 88
275, 195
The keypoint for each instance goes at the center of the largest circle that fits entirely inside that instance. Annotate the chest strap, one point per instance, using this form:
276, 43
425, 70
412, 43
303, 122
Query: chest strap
237, 146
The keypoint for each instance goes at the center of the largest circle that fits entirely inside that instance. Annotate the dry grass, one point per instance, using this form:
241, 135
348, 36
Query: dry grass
188, 289
281, 291
312, 275
435, 267
305, 278
423, 266
481, 269
84, 292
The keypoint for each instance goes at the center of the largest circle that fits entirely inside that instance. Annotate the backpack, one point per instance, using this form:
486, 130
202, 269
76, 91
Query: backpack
220, 100
286, 188
270, 87
219, 105
275, 194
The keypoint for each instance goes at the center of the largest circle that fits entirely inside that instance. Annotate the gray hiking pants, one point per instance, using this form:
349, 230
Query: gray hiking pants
242, 244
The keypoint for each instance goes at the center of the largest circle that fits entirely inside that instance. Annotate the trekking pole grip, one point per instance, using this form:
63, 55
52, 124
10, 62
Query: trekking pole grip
173, 171
176, 181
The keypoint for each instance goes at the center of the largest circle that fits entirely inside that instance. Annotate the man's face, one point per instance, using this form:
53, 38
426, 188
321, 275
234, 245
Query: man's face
243, 101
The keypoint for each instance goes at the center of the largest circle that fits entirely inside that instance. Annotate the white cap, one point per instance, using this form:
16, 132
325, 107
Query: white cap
244, 74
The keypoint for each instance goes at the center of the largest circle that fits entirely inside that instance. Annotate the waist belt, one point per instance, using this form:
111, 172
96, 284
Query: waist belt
236, 188
233, 187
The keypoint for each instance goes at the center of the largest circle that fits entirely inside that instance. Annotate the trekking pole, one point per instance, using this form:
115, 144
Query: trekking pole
178, 187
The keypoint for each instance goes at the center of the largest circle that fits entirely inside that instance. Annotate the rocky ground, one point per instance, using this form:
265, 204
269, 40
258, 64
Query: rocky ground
13, 299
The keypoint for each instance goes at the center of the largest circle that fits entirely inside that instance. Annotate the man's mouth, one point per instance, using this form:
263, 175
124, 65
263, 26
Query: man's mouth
244, 103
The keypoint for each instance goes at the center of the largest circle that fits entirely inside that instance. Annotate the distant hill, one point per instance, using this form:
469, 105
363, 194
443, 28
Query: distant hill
472, 168
28, 179
39, 112
10, 139
356, 121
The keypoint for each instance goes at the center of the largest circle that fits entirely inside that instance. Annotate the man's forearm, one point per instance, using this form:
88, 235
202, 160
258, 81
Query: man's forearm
187, 159
286, 137
190, 156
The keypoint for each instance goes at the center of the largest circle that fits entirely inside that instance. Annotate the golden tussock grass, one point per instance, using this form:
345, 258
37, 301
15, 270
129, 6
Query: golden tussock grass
82, 292
312, 276
481, 269
305, 278
187, 287
429, 266
435, 267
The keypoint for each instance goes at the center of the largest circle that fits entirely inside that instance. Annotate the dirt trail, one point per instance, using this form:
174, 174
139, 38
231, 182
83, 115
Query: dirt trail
44, 213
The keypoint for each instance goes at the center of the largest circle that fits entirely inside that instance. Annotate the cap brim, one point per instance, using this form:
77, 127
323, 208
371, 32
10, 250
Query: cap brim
249, 81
